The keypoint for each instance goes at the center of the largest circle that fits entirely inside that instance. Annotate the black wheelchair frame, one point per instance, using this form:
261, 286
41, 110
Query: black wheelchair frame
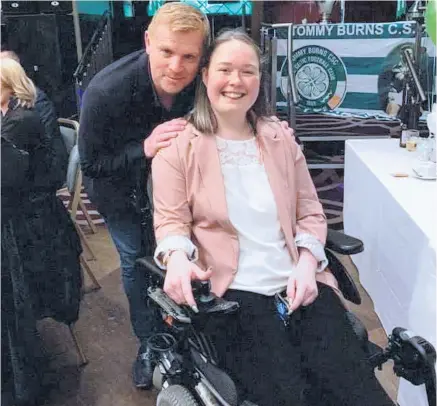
187, 373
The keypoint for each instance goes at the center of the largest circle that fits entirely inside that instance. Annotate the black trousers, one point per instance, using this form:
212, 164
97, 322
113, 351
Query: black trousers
318, 354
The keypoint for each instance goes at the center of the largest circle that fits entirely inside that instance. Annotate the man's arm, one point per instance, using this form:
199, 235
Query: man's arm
95, 120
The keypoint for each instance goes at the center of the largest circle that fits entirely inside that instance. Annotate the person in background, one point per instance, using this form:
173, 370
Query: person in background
124, 121
46, 111
41, 274
21, 361
234, 203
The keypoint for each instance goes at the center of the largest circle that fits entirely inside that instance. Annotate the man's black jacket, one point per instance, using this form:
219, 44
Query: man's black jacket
119, 110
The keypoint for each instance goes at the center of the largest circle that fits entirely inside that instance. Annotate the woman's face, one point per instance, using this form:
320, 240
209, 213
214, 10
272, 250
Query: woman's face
232, 78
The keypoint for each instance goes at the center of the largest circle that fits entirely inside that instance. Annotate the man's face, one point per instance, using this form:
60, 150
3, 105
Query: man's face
174, 58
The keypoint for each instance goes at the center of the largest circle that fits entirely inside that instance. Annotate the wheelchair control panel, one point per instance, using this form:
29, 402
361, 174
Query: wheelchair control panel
168, 306
207, 302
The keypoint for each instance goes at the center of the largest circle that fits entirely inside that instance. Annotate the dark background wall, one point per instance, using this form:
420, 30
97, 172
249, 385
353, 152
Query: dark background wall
43, 37
47, 51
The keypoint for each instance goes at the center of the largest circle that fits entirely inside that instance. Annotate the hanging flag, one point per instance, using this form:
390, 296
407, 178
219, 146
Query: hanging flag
355, 67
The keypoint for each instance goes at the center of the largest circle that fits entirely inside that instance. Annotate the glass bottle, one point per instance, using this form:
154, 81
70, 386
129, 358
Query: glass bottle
404, 136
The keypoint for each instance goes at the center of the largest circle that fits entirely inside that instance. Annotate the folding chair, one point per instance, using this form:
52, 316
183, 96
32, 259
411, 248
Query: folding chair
69, 131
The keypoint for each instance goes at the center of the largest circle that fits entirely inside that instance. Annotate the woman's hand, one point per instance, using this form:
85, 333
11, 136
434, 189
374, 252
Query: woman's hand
302, 286
180, 272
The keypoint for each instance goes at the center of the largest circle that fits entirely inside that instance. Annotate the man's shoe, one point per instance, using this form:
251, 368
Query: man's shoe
142, 369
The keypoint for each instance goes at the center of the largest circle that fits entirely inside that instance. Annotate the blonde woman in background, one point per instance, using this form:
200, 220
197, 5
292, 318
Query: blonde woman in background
47, 113
40, 248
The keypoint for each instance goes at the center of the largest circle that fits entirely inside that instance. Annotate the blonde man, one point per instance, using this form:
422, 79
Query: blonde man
121, 129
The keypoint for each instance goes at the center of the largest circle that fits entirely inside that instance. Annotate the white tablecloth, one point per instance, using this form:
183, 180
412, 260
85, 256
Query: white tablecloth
396, 219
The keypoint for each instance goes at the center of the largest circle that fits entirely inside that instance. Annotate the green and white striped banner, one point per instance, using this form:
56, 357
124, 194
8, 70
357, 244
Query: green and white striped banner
349, 67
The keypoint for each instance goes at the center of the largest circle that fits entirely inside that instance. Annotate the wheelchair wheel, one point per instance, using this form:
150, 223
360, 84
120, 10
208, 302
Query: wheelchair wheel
176, 395
157, 378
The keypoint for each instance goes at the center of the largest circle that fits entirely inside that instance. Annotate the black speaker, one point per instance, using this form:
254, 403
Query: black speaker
55, 7
20, 7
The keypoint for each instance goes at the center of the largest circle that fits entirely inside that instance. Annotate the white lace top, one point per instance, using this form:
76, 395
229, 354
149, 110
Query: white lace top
264, 264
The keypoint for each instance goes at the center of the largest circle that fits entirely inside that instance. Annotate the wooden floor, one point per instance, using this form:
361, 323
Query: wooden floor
105, 334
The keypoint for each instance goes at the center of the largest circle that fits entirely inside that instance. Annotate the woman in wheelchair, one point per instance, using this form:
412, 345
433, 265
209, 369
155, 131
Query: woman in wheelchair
234, 203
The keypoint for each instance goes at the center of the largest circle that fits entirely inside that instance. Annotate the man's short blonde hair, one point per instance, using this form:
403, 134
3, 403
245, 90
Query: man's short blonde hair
181, 17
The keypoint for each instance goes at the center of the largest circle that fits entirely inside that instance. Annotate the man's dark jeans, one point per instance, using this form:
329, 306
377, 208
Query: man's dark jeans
127, 234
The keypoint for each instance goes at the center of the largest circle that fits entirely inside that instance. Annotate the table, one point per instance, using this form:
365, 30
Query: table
396, 219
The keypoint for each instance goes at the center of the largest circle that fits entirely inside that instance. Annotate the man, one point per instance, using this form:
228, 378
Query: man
46, 111
124, 122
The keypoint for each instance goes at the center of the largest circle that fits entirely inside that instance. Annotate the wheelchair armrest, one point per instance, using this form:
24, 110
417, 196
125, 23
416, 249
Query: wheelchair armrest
345, 282
343, 244
148, 264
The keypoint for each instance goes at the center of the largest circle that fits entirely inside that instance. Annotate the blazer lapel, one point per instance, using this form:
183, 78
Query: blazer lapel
212, 178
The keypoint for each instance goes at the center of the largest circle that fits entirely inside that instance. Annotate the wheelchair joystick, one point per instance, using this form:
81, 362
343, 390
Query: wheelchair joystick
202, 292
208, 302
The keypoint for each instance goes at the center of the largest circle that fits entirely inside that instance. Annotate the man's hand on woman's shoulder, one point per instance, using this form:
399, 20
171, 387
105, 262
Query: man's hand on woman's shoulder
162, 136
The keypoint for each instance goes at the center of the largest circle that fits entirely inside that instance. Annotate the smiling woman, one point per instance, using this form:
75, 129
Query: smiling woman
234, 79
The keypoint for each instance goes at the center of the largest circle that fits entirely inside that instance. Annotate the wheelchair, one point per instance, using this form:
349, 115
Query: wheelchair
187, 371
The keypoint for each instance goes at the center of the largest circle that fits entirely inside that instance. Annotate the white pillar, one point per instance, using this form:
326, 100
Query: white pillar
77, 32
